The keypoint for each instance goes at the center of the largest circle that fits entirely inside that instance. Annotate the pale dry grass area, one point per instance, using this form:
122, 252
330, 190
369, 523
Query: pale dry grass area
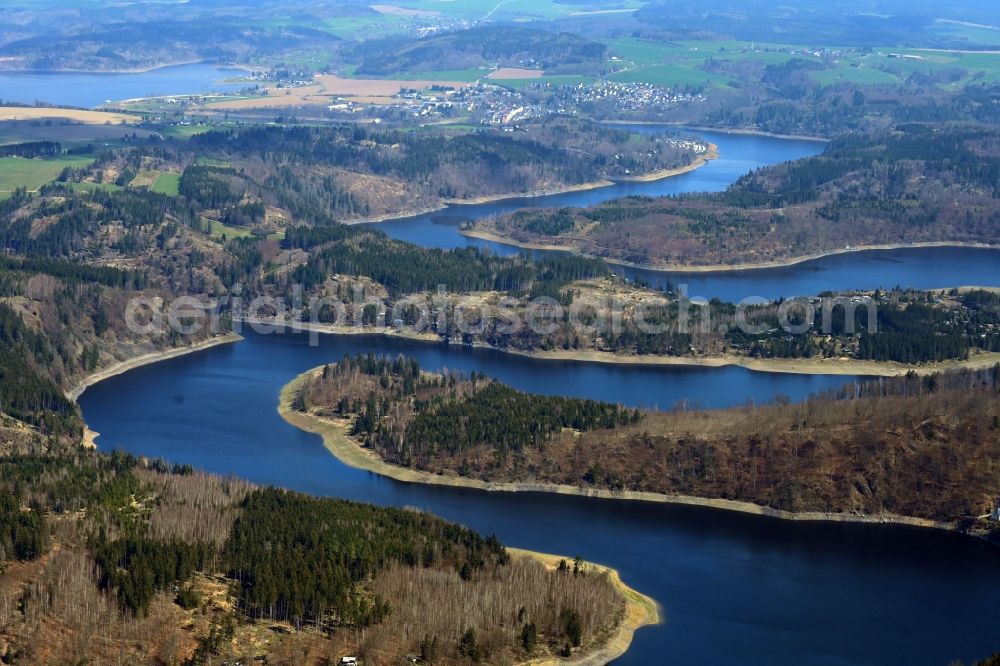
144, 179
336, 85
395, 10
77, 115
328, 87
278, 98
507, 73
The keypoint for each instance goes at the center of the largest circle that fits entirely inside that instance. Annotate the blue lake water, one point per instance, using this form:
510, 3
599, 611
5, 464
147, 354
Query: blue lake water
735, 589
85, 89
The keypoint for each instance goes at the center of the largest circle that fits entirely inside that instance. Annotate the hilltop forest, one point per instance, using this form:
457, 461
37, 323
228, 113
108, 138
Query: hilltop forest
262, 177
503, 46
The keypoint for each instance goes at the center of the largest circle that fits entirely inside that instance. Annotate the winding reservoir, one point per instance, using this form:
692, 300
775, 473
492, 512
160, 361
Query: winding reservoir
735, 589
920, 268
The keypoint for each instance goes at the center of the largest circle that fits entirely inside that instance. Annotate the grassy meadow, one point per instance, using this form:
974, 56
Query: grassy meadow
167, 182
31, 174
686, 63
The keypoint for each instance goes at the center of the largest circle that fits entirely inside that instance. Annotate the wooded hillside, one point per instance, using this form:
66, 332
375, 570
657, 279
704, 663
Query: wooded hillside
503, 46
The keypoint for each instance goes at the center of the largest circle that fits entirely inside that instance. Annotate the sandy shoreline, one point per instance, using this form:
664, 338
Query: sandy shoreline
640, 611
699, 161
139, 361
390, 217
720, 268
493, 198
475, 201
493, 237
350, 453
797, 366
792, 366
794, 261
475, 232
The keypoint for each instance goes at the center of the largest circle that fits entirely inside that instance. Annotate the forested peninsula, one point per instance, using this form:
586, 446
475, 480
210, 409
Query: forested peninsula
118, 557
912, 185
827, 458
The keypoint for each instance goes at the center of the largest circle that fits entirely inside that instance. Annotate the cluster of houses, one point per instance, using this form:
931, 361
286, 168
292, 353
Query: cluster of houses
626, 96
484, 103
490, 104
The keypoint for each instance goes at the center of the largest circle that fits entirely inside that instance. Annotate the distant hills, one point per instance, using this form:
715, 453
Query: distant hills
497, 45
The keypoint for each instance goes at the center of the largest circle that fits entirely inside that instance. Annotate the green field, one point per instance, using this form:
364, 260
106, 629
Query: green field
219, 230
643, 51
18, 172
374, 25
443, 127
183, 131
683, 63
974, 35
958, 67
515, 9
367, 27
168, 183
984, 67
860, 75
679, 74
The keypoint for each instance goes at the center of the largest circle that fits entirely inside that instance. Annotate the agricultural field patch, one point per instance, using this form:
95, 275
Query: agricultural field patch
31, 174
167, 182
76, 115
68, 133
